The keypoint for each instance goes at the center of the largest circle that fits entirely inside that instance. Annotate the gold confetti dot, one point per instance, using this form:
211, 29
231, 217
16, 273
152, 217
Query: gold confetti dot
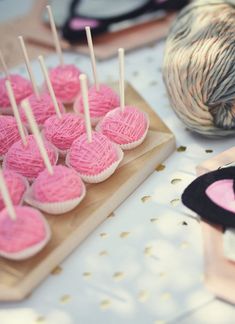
175, 181
148, 250
124, 234
103, 253
40, 319
103, 235
65, 299
175, 202
181, 148
56, 271
143, 296
104, 304
160, 167
86, 274
118, 276
184, 245
165, 296
209, 151
162, 274
145, 198
111, 215
184, 223
153, 220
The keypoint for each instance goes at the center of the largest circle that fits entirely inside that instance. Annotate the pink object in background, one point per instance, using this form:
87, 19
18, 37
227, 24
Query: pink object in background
80, 23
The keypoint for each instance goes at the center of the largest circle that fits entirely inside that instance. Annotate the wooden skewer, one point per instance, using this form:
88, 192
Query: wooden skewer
49, 85
5, 69
92, 56
6, 197
37, 135
55, 35
121, 78
83, 82
28, 65
16, 112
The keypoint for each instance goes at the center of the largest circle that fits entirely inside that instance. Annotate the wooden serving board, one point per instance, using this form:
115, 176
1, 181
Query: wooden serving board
18, 279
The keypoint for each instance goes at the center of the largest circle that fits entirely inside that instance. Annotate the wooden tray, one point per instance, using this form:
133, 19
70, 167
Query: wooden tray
18, 279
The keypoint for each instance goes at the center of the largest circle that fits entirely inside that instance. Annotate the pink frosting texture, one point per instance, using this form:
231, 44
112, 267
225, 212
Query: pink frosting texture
100, 102
42, 108
92, 158
64, 184
21, 87
65, 82
61, 132
8, 133
124, 127
16, 185
27, 160
24, 232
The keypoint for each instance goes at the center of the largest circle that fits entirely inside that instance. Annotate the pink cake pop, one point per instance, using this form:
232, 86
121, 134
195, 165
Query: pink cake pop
16, 185
23, 230
57, 189
60, 130
125, 125
101, 98
93, 155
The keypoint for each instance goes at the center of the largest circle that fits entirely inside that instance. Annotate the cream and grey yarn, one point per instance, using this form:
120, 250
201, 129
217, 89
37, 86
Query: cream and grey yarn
199, 67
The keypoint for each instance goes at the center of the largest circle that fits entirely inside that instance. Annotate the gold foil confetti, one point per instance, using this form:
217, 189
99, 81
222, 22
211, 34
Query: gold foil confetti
103, 235
104, 304
65, 299
181, 148
162, 274
175, 202
148, 250
111, 215
124, 234
145, 198
184, 245
118, 276
165, 296
209, 151
103, 253
56, 271
40, 319
143, 296
175, 181
160, 167
86, 274
153, 220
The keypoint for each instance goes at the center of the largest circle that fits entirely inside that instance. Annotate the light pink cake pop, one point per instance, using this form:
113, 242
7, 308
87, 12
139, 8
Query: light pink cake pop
8, 134
16, 185
21, 87
65, 82
25, 236
56, 193
27, 160
62, 132
42, 108
100, 102
94, 161
128, 128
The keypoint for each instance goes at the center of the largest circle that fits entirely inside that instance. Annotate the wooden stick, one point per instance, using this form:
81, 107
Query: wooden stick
37, 135
6, 197
83, 82
5, 69
28, 65
49, 85
16, 112
55, 35
121, 78
92, 56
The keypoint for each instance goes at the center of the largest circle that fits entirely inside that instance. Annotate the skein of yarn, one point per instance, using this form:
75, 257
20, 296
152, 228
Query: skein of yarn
199, 69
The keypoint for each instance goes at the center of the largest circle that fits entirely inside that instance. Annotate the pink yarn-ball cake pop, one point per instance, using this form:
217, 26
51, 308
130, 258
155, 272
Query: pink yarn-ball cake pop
62, 132
42, 108
16, 185
56, 193
21, 87
25, 236
65, 82
127, 127
100, 102
27, 160
8, 134
94, 161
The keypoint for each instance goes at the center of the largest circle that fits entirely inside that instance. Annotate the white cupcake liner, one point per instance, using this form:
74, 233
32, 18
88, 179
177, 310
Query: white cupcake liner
32, 250
132, 145
102, 176
55, 208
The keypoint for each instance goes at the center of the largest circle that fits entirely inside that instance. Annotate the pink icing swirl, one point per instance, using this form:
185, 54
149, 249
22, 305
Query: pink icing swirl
8, 133
26, 231
21, 87
100, 102
62, 132
64, 184
16, 185
124, 127
27, 160
92, 158
65, 82
42, 108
